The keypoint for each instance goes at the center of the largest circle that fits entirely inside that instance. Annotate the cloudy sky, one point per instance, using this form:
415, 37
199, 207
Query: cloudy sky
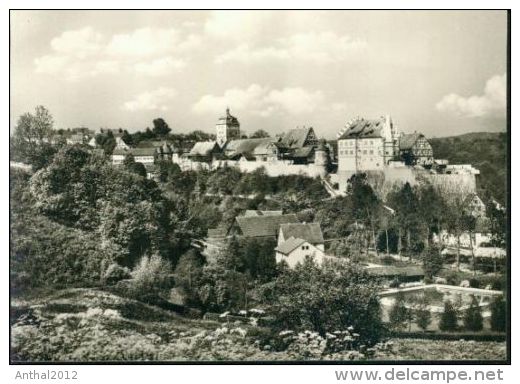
440, 73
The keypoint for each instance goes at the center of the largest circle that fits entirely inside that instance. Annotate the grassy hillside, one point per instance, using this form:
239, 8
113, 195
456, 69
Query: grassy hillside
94, 325
486, 151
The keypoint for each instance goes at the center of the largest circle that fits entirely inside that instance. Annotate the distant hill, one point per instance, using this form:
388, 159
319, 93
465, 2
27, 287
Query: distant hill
486, 151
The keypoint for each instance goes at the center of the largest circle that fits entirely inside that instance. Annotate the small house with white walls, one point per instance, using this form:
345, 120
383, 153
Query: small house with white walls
296, 241
294, 251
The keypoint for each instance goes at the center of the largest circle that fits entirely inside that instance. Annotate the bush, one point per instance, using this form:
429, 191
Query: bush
151, 276
473, 320
423, 318
432, 262
115, 273
449, 320
327, 298
399, 315
498, 314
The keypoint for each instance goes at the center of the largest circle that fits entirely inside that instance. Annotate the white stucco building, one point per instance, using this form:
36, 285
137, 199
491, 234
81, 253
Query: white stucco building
366, 145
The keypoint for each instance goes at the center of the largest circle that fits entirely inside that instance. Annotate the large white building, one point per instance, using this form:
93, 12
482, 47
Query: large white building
365, 145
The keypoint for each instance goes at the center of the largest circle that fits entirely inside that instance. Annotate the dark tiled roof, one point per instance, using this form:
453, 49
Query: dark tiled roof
203, 148
304, 152
262, 226
295, 138
289, 245
363, 128
407, 140
244, 147
310, 232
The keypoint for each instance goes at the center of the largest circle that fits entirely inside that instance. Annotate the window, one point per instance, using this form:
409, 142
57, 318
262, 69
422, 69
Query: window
371, 152
305, 247
364, 152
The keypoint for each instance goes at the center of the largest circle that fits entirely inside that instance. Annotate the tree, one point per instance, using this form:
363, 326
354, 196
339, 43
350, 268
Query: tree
431, 208
127, 138
399, 314
106, 141
473, 320
433, 262
32, 138
327, 298
498, 314
449, 321
151, 276
160, 127
364, 205
423, 318
260, 134
406, 205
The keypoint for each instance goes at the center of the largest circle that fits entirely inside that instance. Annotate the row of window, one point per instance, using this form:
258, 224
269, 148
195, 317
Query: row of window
364, 152
350, 143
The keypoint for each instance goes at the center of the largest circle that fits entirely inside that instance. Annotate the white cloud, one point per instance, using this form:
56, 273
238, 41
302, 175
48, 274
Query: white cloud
51, 64
295, 100
159, 67
262, 101
80, 43
238, 25
318, 47
492, 102
143, 42
159, 99
85, 53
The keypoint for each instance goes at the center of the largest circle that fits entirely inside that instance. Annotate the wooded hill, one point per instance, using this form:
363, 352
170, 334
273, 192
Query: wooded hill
486, 151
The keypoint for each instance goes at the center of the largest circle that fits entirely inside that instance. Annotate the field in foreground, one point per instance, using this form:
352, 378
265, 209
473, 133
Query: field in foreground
94, 325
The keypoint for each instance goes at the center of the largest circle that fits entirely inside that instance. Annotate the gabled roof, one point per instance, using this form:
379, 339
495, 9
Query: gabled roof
265, 148
289, 245
364, 129
407, 140
310, 232
202, 148
295, 138
263, 226
244, 147
304, 152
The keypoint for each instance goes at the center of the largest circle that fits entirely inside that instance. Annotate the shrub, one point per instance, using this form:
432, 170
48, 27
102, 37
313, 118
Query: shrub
423, 318
327, 298
399, 315
432, 262
498, 314
115, 273
151, 276
473, 320
448, 317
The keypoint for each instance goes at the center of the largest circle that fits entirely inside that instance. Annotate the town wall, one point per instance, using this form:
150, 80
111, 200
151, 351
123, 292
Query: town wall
390, 179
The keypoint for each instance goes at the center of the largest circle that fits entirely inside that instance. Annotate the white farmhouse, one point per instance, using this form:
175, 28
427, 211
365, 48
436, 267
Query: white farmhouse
294, 251
296, 241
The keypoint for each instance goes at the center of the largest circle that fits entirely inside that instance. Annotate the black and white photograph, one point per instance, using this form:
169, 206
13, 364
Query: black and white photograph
259, 187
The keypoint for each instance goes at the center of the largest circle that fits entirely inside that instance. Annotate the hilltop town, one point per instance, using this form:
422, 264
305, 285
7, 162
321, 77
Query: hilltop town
228, 228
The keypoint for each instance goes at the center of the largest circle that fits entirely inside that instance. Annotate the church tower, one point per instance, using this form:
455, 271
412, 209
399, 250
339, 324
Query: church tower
228, 128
